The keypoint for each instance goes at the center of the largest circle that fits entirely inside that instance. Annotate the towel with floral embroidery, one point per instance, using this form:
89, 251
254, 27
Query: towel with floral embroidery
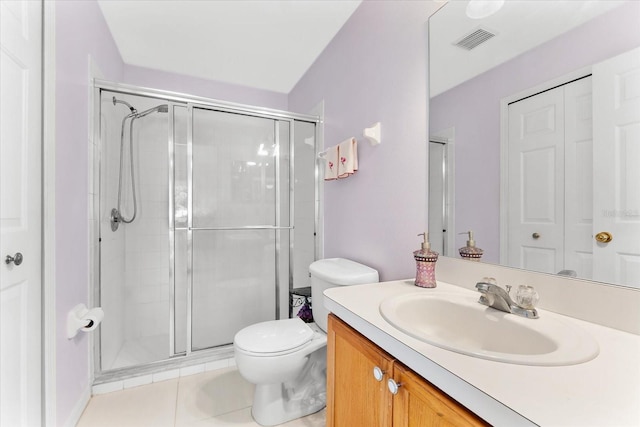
348, 158
331, 164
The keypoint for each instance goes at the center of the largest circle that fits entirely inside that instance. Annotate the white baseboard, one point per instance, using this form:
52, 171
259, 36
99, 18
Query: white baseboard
79, 408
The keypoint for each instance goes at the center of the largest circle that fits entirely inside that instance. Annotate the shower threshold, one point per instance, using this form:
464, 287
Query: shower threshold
141, 351
179, 362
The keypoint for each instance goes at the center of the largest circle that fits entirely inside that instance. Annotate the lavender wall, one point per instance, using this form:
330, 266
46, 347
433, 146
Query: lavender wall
375, 70
473, 108
80, 32
146, 77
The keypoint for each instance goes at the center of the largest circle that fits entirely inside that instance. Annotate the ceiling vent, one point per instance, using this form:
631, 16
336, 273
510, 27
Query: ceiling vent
474, 39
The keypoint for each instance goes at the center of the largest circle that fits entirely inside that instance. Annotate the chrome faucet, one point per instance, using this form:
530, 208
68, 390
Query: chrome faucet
496, 297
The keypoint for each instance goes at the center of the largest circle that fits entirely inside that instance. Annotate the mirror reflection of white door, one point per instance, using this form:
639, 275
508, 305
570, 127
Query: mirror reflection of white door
536, 182
441, 221
550, 180
616, 100
437, 192
578, 178
20, 212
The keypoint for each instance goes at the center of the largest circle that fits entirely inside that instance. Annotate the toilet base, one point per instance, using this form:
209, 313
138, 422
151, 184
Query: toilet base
278, 403
267, 411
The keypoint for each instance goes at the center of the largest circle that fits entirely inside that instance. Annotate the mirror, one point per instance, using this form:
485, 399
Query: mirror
524, 49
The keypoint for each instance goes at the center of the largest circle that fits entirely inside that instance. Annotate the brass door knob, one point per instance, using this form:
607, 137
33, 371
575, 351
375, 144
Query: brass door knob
604, 237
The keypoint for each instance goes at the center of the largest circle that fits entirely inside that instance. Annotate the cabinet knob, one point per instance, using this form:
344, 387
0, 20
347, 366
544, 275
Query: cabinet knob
393, 386
378, 373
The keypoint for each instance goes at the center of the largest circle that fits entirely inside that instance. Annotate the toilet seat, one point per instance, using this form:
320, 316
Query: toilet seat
274, 337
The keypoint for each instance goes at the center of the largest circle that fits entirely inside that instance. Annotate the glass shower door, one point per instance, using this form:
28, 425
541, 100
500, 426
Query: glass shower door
134, 258
212, 248
238, 234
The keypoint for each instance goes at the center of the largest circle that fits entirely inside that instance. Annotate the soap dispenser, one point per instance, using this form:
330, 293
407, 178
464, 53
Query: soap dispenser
425, 264
470, 252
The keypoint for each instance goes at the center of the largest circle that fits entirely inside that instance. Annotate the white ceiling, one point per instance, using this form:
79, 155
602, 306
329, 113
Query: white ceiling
265, 44
520, 25
270, 44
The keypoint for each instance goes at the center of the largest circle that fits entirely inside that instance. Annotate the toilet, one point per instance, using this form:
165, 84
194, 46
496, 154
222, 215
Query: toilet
287, 359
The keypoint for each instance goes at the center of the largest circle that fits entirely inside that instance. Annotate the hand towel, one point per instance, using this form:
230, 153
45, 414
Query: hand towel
348, 161
331, 163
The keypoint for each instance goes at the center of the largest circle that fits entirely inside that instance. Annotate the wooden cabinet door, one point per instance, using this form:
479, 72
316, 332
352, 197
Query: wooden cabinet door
420, 404
354, 396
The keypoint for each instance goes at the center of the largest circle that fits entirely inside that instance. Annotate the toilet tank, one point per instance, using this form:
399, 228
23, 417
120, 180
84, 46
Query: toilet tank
332, 272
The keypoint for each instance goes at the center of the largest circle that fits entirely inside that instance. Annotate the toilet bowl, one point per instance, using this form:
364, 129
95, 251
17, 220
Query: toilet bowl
287, 359
284, 359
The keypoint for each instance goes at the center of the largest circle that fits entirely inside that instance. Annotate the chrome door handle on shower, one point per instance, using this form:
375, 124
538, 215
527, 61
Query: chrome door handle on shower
248, 227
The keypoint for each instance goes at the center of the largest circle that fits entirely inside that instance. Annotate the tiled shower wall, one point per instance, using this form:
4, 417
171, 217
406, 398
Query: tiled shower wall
134, 265
147, 238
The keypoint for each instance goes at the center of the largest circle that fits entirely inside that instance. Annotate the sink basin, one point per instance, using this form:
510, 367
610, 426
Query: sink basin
457, 322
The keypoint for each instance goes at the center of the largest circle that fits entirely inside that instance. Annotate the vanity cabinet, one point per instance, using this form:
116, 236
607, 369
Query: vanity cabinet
358, 393
354, 396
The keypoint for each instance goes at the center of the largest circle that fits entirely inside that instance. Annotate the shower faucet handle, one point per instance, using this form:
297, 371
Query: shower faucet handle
115, 219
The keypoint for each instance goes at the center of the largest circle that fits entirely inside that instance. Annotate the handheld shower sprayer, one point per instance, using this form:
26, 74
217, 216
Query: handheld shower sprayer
116, 213
162, 108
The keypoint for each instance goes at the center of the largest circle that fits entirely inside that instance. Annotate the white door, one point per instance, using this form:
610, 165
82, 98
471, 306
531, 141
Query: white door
20, 212
437, 191
616, 101
578, 252
535, 227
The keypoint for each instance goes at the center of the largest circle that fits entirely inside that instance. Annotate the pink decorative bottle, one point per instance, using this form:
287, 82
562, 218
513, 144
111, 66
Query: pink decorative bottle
470, 252
425, 264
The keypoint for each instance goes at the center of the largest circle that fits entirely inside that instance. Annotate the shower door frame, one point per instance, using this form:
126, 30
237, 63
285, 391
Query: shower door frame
277, 227
190, 357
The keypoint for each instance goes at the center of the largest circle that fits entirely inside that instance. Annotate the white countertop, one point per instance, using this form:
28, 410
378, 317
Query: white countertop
602, 392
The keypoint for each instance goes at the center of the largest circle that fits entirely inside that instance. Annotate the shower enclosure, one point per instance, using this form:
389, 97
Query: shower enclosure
207, 218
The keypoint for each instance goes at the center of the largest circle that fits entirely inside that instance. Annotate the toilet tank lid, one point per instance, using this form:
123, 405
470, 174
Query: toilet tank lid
274, 336
342, 271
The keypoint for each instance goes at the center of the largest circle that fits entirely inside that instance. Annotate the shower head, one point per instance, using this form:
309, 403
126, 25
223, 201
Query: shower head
163, 108
118, 101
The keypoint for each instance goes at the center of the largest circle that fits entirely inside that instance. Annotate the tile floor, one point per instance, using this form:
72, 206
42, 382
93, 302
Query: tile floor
220, 398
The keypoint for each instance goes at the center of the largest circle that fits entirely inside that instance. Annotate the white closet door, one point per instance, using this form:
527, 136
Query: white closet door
616, 101
536, 182
578, 252
20, 212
